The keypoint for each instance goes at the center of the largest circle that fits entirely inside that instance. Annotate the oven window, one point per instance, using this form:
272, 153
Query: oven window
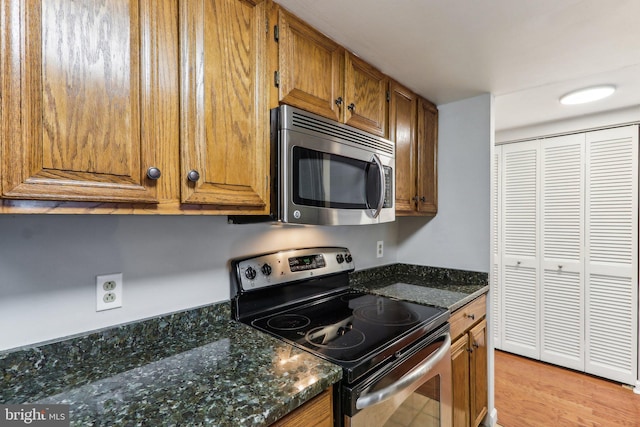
421, 408
334, 181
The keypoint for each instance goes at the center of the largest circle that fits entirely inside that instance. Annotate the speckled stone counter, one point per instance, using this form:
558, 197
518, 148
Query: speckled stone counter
439, 287
193, 368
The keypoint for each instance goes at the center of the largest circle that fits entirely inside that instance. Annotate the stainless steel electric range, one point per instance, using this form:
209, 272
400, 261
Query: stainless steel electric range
394, 354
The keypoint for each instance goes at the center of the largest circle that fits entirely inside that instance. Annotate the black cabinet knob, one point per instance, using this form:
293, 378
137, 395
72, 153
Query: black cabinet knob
193, 175
338, 101
352, 107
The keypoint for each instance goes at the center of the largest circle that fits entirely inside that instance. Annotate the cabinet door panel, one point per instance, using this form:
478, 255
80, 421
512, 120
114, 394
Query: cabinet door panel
76, 74
520, 261
460, 381
224, 109
479, 387
402, 125
611, 211
495, 280
311, 68
427, 141
562, 282
366, 89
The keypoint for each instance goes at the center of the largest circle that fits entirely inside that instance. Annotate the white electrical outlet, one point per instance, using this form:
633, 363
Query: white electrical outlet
380, 249
108, 291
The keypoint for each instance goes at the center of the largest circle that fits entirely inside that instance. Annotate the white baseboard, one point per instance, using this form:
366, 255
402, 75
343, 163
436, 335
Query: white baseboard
492, 418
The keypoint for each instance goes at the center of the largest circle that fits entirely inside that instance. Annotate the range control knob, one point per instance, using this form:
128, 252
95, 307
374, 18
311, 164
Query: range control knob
348, 257
250, 273
266, 269
340, 258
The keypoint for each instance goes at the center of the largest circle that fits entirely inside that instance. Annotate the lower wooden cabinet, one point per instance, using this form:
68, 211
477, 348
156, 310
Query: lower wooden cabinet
469, 363
318, 412
461, 381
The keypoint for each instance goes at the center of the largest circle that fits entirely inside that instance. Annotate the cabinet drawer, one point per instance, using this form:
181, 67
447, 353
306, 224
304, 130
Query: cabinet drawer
318, 412
466, 316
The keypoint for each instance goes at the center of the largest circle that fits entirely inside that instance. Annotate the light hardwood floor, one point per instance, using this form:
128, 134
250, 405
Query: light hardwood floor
535, 394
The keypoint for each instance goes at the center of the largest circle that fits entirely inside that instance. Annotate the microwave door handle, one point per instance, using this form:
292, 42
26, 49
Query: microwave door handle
406, 381
376, 159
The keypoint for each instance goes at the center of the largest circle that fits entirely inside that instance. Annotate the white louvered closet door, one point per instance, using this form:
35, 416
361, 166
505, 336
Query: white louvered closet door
495, 279
562, 271
612, 254
519, 308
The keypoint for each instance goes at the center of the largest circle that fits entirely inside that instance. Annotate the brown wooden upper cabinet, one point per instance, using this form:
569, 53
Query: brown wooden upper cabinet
402, 130
318, 75
365, 96
224, 106
413, 126
125, 106
79, 91
310, 67
427, 158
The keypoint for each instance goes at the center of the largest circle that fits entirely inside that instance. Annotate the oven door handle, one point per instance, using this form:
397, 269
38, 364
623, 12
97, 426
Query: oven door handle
406, 381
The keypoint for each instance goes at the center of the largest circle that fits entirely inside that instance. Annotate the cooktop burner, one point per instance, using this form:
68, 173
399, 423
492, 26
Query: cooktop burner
334, 338
397, 315
288, 322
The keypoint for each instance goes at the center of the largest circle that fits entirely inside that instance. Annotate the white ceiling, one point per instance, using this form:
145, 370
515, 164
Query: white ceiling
526, 52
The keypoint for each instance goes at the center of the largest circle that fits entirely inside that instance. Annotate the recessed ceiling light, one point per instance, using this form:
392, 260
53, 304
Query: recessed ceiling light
587, 95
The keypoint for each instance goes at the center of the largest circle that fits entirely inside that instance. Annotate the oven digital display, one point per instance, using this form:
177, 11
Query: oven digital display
309, 262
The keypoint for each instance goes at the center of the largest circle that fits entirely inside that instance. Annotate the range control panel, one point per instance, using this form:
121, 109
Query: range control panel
292, 265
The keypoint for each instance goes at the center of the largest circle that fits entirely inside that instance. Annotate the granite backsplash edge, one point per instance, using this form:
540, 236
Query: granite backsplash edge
427, 276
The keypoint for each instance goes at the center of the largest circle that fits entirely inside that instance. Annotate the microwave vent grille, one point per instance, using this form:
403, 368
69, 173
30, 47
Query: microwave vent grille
343, 133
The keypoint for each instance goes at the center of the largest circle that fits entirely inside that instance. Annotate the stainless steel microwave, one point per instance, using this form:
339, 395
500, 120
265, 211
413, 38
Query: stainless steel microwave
327, 173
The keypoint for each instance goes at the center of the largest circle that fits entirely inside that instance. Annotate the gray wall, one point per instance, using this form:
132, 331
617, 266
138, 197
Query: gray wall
48, 265
458, 236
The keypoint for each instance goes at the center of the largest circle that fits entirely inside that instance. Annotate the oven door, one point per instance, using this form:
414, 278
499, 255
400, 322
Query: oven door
416, 391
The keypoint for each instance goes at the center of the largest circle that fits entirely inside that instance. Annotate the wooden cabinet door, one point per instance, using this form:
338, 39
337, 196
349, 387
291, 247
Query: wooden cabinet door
478, 345
402, 131
365, 96
460, 381
311, 68
427, 148
79, 91
223, 106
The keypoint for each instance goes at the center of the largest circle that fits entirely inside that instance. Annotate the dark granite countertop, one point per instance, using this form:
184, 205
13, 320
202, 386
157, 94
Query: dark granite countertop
199, 367
193, 368
446, 288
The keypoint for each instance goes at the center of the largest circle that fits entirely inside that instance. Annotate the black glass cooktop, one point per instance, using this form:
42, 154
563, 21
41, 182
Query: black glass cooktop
354, 327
